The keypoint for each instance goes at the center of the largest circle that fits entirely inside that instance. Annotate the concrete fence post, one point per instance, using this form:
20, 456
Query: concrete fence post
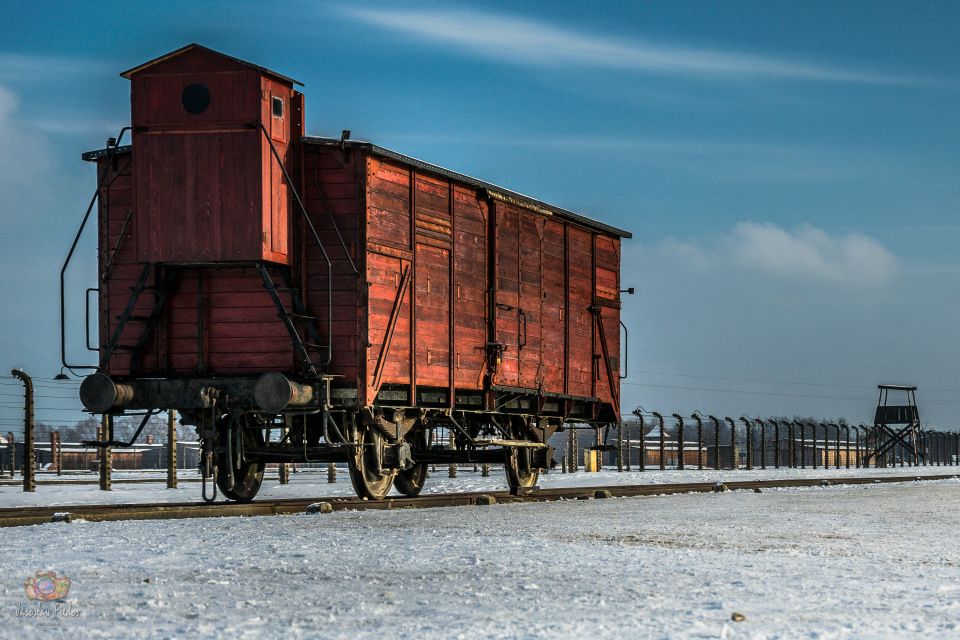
663, 441
763, 442
620, 446
55, 452
734, 454
696, 416
29, 453
776, 440
716, 441
12, 452
106, 455
748, 427
681, 463
171, 449
629, 449
642, 462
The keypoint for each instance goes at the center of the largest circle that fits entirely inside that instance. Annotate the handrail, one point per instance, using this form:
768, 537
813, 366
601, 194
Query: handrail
326, 208
328, 356
112, 150
86, 316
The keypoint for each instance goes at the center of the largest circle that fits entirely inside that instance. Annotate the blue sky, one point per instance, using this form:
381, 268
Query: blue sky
789, 170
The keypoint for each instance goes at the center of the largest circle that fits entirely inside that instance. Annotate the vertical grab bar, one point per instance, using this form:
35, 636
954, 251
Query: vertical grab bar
626, 351
86, 316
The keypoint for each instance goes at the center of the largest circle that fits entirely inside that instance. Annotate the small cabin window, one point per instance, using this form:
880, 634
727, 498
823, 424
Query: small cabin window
195, 98
277, 107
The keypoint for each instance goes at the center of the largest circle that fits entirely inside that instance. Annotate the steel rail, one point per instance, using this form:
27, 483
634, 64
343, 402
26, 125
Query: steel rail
23, 516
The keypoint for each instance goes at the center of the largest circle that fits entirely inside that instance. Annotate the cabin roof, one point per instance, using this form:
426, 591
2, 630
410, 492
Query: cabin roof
194, 47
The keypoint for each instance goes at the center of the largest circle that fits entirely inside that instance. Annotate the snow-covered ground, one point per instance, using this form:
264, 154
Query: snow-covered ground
313, 483
824, 562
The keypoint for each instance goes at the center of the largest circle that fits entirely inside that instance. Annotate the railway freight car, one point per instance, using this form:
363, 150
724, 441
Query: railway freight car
307, 299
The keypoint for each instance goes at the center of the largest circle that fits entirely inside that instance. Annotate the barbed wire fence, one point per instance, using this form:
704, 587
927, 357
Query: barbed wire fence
645, 440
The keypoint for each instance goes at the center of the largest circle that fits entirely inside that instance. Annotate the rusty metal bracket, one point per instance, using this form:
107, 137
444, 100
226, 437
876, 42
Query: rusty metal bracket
614, 390
391, 326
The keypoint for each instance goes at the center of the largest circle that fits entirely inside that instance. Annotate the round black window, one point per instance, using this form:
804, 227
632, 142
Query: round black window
195, 98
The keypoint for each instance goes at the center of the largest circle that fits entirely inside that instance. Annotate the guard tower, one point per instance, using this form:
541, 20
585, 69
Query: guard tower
897, 423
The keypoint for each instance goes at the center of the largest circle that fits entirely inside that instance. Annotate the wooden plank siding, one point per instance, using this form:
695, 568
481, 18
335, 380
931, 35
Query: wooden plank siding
547, 276
580, 366
470, 285
207, 180
333, 189
479, 267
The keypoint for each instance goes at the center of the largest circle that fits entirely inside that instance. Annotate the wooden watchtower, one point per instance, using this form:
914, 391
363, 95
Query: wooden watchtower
897, 423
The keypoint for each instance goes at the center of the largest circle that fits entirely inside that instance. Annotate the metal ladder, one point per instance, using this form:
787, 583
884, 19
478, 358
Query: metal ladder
291, 319
164, 285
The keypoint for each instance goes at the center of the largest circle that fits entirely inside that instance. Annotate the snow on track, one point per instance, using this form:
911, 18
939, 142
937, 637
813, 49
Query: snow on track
824, 562
313, 483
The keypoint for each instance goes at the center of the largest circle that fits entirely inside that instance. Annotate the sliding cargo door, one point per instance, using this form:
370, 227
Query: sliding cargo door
553, 312
581, 378
606, 316
517, 296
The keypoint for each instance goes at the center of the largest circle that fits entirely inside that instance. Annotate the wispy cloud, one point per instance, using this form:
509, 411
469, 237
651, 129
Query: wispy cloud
743, 161
23, 66
519, 40
25, 159
80, 124
806, 254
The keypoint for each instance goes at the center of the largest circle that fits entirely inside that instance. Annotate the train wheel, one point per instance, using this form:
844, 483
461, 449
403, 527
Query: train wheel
370, 480
521, 475
249, 476
409, 482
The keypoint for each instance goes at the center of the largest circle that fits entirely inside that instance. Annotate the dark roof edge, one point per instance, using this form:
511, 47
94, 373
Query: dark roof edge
96, 154
426, 166
510, 196
194, 45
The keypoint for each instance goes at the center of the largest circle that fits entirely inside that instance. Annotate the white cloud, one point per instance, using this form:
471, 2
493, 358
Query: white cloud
806, 254
523, 41
760, 303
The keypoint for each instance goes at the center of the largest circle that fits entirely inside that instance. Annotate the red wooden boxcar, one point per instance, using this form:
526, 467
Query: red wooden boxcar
305, 298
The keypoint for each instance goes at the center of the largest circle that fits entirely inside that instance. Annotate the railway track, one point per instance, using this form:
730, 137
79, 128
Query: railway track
24, 516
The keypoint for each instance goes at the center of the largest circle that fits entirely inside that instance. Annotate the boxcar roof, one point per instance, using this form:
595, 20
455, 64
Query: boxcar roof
505, 194
200, 47
372, 149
